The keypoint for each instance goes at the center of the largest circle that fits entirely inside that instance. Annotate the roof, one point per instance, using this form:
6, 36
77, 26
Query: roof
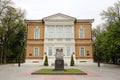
60, 16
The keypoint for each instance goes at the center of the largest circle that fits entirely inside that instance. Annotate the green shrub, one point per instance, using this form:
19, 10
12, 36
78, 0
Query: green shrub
72, 61
46, 61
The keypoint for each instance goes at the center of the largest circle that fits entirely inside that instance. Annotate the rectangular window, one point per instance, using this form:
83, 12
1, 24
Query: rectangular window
82, 51
37, 33
68, 31
50, 31
50, 51
81, 33
68, 51
36, 51
59, 31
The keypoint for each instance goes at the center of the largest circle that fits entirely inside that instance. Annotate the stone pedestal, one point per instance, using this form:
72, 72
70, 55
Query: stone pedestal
59, 64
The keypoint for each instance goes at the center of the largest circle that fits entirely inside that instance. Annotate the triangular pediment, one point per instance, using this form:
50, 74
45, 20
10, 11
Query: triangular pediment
58, 16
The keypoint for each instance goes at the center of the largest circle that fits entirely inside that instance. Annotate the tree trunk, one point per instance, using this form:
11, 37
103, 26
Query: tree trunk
1, 56
4, 58
113, 59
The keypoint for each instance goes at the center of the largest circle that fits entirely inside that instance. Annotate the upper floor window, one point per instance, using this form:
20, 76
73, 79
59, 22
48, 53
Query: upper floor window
68, 51
81, 32
50, 51
68, 31
82, 51
37, 33
50, 32
36, 51
59, 31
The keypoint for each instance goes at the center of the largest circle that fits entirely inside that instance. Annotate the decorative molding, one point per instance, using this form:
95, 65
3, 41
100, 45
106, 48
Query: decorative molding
83, 38
35, 39
83, 44
85, 20
65, 17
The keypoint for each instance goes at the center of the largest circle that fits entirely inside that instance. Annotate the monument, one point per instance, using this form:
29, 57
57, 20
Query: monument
59, 62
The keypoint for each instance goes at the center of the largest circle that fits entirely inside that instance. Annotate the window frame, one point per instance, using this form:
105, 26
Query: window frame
81, 34
37, 51
51, 31
68, 48
82, 54
68, 31
37, 34
59, 33
50, 48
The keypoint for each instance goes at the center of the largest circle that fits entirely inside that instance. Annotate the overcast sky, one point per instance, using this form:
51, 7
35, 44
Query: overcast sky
80, 9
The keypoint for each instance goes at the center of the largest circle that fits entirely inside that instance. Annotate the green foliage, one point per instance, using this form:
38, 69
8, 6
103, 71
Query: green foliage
72, 61
107, 43
112, 14
46, 61
12, 32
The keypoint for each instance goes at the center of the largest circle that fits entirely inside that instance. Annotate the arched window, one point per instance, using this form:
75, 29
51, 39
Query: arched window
37, 33
81, 32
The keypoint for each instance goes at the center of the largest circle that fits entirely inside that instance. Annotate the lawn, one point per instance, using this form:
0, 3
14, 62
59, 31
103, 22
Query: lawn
60, 72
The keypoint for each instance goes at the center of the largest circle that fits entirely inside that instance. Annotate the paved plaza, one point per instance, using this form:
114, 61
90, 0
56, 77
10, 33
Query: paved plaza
105, 72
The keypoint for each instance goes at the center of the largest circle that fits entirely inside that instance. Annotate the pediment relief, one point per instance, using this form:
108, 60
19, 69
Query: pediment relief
58, 16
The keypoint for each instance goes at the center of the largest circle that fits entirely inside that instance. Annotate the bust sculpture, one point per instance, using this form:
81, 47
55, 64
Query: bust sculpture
59, 54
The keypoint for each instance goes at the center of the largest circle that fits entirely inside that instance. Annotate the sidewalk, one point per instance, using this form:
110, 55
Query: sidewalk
105, 72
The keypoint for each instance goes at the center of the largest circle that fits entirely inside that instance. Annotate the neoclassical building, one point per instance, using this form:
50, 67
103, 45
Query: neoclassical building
59, 32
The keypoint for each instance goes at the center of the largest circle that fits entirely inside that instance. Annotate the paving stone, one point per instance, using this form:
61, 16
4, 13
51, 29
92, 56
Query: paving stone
105, 72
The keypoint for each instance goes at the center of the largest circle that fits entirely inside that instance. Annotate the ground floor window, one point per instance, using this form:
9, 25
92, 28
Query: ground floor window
68, 51
50, 51
82, 51
36, 51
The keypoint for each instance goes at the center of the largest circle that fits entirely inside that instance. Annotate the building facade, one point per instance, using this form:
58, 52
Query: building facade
59, 32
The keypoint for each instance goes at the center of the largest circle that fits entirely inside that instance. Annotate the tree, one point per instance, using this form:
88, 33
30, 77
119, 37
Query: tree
112, 13
46, 61
12, 31
107, 39
72, 61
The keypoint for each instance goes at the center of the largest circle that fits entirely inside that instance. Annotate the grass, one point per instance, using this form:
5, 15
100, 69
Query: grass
60, 72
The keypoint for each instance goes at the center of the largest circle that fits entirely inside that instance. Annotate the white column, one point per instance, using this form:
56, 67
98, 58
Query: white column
72, 31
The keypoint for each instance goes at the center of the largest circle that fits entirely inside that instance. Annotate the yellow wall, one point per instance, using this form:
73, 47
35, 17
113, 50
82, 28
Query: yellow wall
33, 43
85, 42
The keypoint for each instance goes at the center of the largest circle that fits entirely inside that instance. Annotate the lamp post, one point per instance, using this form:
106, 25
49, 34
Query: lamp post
19, 59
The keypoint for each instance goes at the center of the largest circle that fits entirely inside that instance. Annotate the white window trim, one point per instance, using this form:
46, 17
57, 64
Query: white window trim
81, 27
80, 51
57, 34
48, 51
70, 28
48, 34
35, 32
38, 51
66, 51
